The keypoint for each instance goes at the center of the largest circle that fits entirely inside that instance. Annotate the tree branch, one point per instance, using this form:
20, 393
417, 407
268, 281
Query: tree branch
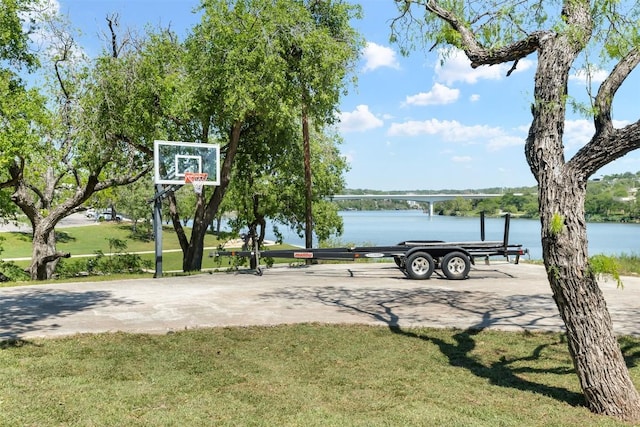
604, 148
15, 172
478, 54
112, 21
610, 86
50, 258
609, 144
119, 181
177, 225
138, 146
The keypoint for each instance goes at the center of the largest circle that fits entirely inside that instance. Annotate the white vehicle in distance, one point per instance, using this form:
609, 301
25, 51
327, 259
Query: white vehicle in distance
105, 215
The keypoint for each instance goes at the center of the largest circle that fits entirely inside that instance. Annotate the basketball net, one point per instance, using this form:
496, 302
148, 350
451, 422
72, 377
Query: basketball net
195, 179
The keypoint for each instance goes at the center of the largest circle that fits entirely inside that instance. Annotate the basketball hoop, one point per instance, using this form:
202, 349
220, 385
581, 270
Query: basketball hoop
195, 179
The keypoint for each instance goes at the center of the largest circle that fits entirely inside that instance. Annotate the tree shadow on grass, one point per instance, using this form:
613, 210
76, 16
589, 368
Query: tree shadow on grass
64, 237
23, 311
630, 347
502, 372
396, 307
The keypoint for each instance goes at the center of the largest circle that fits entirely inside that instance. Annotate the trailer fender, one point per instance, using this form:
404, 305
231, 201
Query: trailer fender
438, 252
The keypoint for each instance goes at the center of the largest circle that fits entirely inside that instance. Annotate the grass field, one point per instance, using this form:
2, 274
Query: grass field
87, 240
296, 375
91, 238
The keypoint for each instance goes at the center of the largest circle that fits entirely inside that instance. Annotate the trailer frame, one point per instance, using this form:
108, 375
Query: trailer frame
417, 259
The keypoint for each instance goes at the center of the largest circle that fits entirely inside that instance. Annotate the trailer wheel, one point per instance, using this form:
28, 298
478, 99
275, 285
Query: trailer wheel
419, 265
456, 265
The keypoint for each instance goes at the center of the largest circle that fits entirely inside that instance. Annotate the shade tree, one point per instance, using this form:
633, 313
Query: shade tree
239, 74
88, 141
564, 36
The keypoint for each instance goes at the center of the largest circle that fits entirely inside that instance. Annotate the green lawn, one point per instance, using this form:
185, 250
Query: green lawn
91, 238
87, 240
296, 375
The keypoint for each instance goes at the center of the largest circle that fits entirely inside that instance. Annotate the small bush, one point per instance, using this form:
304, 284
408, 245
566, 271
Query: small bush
605, 266
13, 272
117, 262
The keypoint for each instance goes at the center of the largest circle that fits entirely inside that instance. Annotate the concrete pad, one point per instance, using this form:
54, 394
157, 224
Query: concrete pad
500, 296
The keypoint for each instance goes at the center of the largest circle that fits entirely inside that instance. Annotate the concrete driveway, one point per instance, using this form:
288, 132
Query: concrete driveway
500, 296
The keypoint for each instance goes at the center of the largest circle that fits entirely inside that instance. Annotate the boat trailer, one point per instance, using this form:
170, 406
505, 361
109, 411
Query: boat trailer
416, 258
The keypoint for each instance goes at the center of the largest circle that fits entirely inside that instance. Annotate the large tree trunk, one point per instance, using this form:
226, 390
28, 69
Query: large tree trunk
597, 357
598, 360
192, 252
44, 256
192, 258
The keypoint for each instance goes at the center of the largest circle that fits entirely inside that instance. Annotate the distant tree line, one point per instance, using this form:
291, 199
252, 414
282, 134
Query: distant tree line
610, 198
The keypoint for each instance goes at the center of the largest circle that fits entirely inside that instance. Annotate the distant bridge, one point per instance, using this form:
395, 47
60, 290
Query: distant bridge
430, 199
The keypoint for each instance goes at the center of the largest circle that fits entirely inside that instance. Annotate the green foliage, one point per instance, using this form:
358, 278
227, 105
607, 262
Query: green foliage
263, 190
22, 111
117, 261
14, 40
629, 264
603, 265
556, 226
10, 270
132, 201
13, 272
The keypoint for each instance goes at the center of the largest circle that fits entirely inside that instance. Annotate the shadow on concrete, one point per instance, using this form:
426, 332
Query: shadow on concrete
25, 311
432, 306
396, 307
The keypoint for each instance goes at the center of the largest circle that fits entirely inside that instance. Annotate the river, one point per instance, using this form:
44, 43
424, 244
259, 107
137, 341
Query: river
390, 227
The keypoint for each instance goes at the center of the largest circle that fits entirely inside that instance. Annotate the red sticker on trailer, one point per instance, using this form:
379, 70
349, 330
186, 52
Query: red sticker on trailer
305, 255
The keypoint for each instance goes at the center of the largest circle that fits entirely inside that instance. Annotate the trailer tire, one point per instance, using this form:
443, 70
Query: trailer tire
456, 265
419, 265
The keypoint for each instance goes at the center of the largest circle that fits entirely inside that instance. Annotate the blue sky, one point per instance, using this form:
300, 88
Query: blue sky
412, 123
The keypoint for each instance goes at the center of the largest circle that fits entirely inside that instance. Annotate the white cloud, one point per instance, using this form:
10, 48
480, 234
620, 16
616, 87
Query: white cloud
577, 132
377, 56
53, 32
359, 120
474, 98
456, 67
596, 75
494, 138
450, 130
438, 95
350, 156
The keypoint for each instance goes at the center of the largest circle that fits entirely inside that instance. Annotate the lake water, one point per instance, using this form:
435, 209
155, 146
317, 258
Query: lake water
390, 227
